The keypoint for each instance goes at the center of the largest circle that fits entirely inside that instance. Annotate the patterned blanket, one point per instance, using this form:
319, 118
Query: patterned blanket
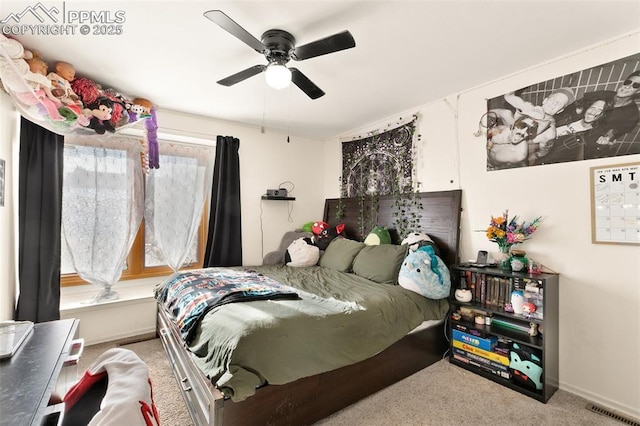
190, 295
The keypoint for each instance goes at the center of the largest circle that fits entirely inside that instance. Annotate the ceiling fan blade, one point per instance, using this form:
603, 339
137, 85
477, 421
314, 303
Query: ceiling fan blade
306, 85
334, 43
235, 30
242, 75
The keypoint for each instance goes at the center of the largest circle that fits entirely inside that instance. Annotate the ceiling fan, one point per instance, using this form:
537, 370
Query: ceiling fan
278, 47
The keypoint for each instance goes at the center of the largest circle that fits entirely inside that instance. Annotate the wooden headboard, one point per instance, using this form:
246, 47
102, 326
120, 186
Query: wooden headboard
439, 217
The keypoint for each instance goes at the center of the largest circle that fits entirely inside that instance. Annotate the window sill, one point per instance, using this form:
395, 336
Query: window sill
77, 298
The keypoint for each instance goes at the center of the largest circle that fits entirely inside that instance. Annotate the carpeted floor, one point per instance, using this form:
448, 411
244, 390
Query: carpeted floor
441, 395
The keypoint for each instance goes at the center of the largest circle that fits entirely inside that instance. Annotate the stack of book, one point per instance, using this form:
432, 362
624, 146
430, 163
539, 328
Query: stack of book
483, 351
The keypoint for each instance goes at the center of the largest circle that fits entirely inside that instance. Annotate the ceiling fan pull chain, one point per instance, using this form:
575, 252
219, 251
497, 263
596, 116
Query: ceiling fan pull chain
288, 112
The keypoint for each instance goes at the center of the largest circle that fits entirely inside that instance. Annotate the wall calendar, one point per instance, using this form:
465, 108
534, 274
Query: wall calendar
615, 204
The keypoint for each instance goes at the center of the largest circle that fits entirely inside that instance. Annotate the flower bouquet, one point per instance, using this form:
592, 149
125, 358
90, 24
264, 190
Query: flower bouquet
508, 232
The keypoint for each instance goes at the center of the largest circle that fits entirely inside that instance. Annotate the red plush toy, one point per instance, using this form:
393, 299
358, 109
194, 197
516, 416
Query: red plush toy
89, 92
318, 227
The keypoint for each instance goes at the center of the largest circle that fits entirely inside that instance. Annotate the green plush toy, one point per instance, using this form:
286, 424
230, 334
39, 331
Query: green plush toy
378, 235
307, 227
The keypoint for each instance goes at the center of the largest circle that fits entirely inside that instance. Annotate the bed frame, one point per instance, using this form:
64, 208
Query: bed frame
310, 399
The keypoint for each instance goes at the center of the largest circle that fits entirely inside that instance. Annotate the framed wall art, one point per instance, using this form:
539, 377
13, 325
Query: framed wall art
615, 204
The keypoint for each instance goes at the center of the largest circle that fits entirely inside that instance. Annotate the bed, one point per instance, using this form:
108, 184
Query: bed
255, 390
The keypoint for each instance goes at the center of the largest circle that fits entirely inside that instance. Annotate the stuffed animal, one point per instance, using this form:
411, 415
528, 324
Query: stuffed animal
140, 108
99, 114
14, 69
463, 295
151, 127
425, 273
318, 227
526, 366
415, 240
89, 91
25, 74
327, 235
61, 88
120, 115
41, 86
378, 235
302, 252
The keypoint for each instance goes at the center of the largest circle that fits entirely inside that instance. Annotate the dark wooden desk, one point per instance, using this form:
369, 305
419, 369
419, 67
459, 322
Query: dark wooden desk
28, 378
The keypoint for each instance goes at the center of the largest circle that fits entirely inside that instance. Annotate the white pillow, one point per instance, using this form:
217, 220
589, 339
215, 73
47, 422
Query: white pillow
301, 253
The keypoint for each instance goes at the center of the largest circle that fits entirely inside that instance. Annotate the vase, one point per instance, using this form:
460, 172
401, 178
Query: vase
503, 259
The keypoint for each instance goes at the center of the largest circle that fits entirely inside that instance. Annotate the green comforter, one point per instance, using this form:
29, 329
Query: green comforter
339, 320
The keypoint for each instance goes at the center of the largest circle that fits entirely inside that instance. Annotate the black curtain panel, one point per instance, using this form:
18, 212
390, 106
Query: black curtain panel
224, 241
40, 208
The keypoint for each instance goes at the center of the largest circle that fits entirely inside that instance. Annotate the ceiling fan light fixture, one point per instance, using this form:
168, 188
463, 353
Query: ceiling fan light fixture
278, 76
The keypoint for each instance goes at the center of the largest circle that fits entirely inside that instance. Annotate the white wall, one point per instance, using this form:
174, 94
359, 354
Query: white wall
8, 132
599, 284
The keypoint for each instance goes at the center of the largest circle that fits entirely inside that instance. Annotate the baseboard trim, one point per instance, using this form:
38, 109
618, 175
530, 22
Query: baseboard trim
600, 400
126, 338
137, 339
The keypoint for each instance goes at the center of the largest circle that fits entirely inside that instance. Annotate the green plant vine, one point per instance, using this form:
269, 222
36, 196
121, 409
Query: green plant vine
340, 206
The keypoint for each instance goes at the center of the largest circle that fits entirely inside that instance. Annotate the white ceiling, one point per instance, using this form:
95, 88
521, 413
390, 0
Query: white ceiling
407, 54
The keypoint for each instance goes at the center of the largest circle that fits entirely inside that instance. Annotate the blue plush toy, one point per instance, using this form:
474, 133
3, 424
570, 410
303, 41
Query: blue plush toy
425, 273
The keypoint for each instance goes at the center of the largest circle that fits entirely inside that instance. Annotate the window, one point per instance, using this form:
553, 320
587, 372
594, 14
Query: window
145, 258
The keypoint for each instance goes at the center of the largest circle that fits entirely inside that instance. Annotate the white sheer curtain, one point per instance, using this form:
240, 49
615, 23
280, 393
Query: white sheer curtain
102, 204
174, 201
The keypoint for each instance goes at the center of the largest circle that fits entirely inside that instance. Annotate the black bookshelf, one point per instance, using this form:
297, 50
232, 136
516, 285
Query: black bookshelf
501, 350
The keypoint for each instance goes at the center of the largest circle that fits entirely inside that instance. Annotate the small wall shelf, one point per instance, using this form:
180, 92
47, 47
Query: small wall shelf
269, 197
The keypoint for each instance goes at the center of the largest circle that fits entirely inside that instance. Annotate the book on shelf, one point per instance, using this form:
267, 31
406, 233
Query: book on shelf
518, 283
483, 367
498, 292
469, 330
486, 343
475, 286
483, 363
481, 352
487, 289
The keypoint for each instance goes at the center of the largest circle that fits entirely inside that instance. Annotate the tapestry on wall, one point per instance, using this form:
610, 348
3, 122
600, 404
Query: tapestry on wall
588, 114
379, 164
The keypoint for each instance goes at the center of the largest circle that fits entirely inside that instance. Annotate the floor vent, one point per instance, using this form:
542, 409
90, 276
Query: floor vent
615, 416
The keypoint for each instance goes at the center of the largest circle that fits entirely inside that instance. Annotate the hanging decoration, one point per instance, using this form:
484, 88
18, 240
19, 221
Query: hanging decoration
380, 163
54, 98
